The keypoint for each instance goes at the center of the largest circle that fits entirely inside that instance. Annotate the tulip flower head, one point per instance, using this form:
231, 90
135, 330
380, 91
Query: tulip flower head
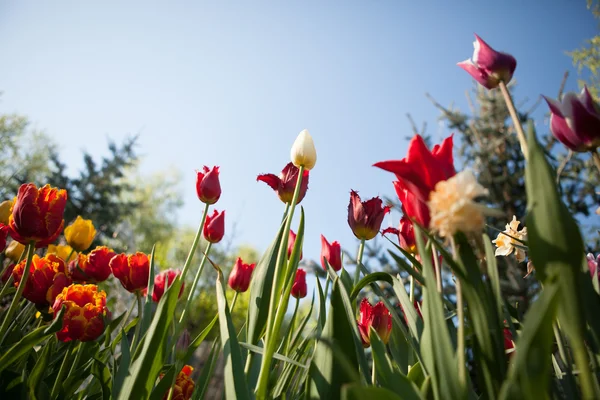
184, 385
299, 288
131, 270
365, 217
47, 278
509, 344
593, 264
488, 66
285, 183
208, 187
453, 208
14, 251
5, 210
80, 234
291, 244
575, 121
378, 317
332, 252
406, 235
85, 311
37, 215
93, 267
303, 153
507, 243
63, 251
3, 236
214, 227
160, 283
239, 278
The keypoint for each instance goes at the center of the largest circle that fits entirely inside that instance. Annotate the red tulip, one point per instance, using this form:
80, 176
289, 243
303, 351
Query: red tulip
159, 283
208, 186
285, 183
332, 253
37, 215
406, 235
575, 121
92, 268
47, 278
299, 288
378, 317
3, 236
365, 217
131, 270
508, 341
85, 312
418, 173
214, 227
291, 244
488, 66
239, 278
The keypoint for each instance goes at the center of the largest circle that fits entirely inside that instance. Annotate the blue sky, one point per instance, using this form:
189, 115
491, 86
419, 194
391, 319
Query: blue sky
232, 83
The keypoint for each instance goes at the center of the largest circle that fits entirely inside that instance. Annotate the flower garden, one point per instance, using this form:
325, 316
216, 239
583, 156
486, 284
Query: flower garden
60, 340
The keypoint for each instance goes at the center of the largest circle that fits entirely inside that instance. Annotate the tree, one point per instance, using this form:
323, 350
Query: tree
587, 57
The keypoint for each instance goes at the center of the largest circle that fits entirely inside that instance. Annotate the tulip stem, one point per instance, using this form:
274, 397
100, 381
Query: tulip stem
58, 381
291, 327
513, 114
438, 269
596, 158
15, 301
327, 282
192, 252
373, 374
138, 325
460, 315
235, 297
278, 302
412, 289
196, 279
359, 257
70, 254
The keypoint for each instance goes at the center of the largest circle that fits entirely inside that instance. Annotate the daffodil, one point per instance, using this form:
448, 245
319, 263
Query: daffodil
511, 240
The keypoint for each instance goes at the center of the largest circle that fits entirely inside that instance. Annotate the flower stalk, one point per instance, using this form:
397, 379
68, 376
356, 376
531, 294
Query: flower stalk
190, 256
359, 257
515, 118
196, 279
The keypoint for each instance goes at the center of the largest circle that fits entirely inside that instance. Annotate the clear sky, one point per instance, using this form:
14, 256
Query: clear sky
231, 83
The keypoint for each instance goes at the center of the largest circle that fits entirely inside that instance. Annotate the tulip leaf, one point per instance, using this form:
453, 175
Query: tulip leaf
147, 311
102, 373
492, 270
277, 356
406, 267
124, 364
207, 372
358, 392
40, 368
162, 387
302, 325
414, 322
235, 380
199, 339
370, 278
321, 318
110, 328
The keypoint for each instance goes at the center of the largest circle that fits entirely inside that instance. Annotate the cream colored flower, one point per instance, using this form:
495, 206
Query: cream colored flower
303, 151
453, 208
506, 241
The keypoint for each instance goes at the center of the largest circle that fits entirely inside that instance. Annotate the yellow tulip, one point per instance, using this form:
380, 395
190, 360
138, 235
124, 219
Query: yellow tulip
63, 251
5, 210
14, 250
80, 234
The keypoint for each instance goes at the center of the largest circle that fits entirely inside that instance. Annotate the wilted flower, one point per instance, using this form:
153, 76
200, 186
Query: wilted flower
417, 175
303, 153
214, 227
365, 217
208, 187
132, 270
80, 234
593, 264
84, 315
184, 385
509, 240
37, 215
299, 288
291, 244
406, 235
453, 208
239, 278
92, 268
6, 210
285, 183
488, 66
575, 121
63, 251
14, 251
3, 236
161, 280
47, 278
378, 317
332, 252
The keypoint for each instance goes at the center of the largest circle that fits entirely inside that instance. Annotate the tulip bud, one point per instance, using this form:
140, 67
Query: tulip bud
299, 288
160, 281
377, 317
5, 211
80, 234
208, 187
365, 217
239, 278
14, 251
214, 227
131, 270
303, 152
183, 343
332, 253
291, 244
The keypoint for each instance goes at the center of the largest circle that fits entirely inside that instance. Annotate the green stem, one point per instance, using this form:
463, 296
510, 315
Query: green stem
359, 257
438, 269
513, 114
327, 282
561, 346
373, 375
589, 387
77, 358
291, 327
62, 371
138, 325
70, 254
273, 323
190, 256
15, 301
193, 287
411, 293
235, 297
460, 315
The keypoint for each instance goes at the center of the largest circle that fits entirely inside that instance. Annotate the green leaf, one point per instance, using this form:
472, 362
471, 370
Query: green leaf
368, 279
406, 267
110, 328
102, 373
387, 375
164, 384
277, 356
414, 322
124, 363
199, 339
302, 325
207, 372
358, 392
492, 270
322, 317
416, 374
147, 312
39, 370
235, 380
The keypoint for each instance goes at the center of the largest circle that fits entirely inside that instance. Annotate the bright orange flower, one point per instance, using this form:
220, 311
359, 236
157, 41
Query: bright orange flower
37, 215
184, 385
132, 270
47, 278
85, 312
92, 268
